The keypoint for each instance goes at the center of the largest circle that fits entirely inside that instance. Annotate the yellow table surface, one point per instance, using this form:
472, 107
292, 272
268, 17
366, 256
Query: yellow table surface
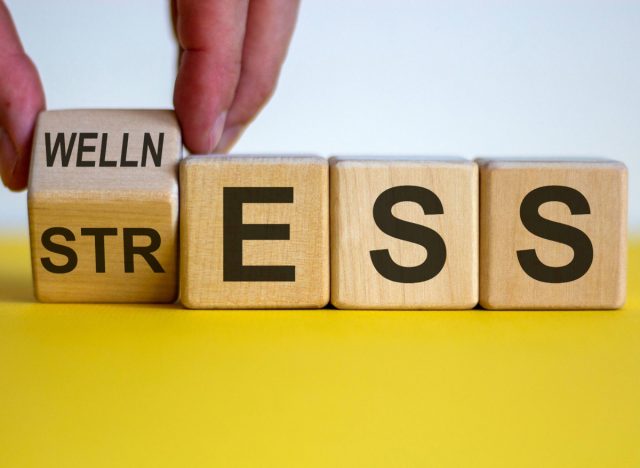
117, 385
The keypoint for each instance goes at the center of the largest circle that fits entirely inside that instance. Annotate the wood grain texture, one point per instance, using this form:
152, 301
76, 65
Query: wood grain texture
356, 183
202, 183
116, 197
504, 284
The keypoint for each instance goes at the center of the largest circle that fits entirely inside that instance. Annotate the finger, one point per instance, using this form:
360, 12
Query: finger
270, 25
210, 34
21, 99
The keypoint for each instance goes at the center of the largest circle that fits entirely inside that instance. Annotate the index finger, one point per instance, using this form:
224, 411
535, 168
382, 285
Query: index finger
210, 34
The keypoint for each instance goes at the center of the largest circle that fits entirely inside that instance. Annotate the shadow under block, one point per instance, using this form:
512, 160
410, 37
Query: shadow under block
254, 232
103, 206
553, 234
404, 233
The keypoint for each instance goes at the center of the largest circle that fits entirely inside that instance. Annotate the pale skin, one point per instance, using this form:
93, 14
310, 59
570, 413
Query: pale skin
231, 53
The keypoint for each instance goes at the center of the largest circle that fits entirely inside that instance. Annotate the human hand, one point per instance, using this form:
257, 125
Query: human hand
231, 52
21, 99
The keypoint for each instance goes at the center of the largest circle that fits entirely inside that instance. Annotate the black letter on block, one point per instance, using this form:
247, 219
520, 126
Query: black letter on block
99, 234
58, 146
82, 148
145, 252
411, 232
47, 243
235, 232
104, 162
156, 154
558, 232
123, 155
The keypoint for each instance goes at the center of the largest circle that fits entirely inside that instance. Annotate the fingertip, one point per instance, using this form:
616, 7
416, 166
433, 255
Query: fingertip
201, 97
20, 175
21, 100
14, 168
200, 140
21, 169
14, 161
218, 130
8, 159
193, 139
191, 123
229, 138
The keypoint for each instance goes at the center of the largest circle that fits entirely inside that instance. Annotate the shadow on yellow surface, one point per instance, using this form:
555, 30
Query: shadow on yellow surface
15, 271
15, 288
145, 385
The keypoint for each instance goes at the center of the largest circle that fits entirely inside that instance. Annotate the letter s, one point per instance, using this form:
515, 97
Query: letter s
558, 232
411, 232
47, 243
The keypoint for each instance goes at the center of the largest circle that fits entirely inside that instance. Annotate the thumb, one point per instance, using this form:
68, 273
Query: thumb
21, 99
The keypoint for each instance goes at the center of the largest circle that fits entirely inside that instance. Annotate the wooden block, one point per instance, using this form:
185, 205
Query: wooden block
553, 234
103, 206
404, 233
254, 232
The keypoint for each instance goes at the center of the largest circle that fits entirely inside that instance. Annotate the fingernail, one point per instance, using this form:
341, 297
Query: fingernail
8, 157
218, 128
229, 137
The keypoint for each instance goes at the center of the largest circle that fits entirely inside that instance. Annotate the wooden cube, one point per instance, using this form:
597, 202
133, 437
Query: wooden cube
553, 234
404, 233
103, 206
254, 232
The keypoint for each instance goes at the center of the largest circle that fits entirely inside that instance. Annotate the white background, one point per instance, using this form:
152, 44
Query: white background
379, 77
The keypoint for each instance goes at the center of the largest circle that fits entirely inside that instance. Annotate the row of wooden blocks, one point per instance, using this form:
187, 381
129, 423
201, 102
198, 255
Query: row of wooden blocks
116, 215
